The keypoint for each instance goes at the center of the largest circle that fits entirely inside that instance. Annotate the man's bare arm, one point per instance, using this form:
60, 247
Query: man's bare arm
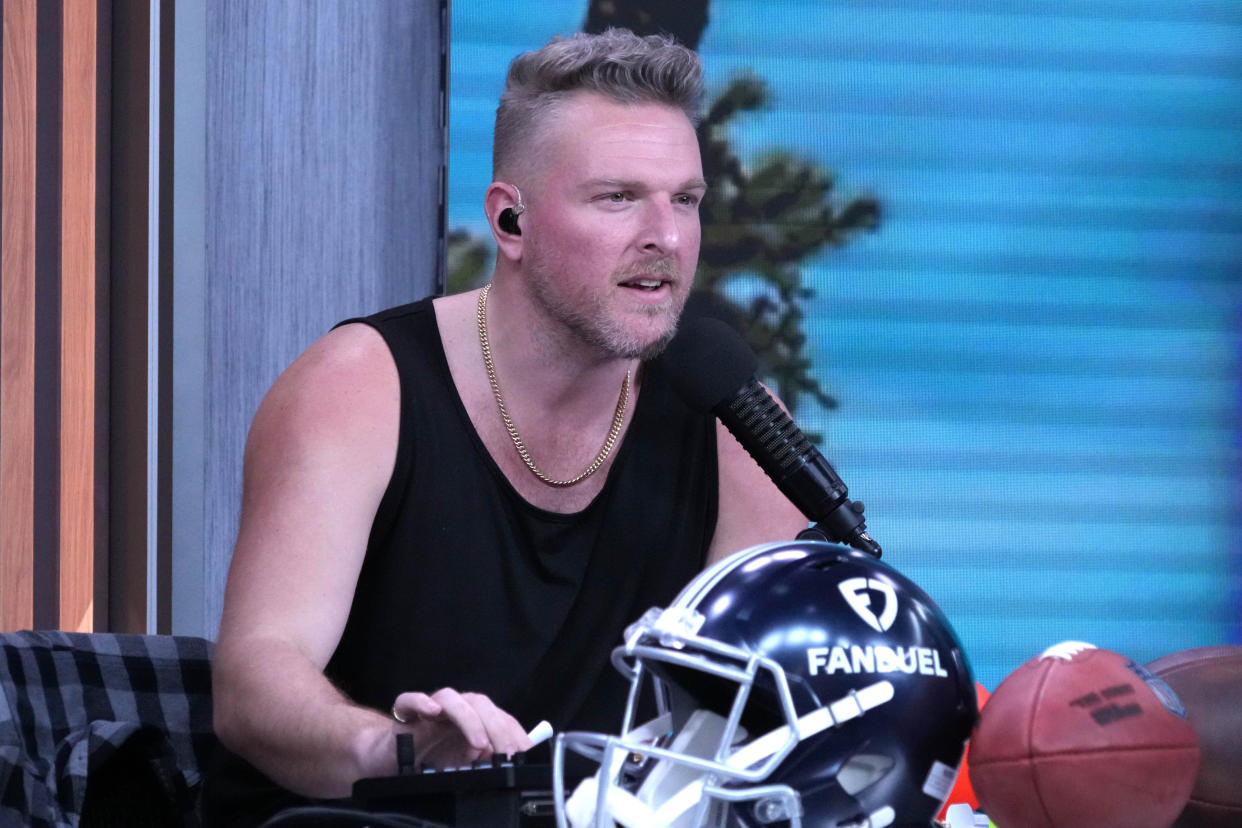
318, 458
320, 453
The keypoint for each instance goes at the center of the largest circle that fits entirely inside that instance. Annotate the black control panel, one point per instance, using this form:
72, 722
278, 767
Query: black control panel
495, 793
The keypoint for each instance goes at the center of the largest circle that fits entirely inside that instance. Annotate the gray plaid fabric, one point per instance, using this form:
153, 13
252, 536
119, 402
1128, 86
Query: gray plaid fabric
71, 700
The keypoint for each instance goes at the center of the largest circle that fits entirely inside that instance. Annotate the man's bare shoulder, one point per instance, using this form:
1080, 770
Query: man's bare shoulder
356, 351
341, 391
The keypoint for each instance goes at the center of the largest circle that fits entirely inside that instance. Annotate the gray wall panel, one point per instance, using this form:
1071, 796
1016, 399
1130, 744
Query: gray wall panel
324, 146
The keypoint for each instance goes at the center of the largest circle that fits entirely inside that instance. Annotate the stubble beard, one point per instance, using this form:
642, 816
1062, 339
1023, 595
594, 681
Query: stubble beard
587, 316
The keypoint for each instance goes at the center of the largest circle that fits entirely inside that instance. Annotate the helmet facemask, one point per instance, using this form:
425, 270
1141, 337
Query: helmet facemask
707, 752
796, 684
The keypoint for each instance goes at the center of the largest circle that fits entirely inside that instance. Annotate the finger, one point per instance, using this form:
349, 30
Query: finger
465, 717
411, 706
504, 732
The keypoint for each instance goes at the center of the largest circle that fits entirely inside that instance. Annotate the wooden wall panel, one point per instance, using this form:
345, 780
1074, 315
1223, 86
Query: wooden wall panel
17, 316
324, 148
320, 199
129, 98
53, 409
78, 313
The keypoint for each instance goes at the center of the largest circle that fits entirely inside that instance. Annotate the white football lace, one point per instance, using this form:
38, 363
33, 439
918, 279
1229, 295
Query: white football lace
1066, 650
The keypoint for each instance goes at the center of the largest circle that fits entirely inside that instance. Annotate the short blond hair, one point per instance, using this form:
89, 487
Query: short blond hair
617, 64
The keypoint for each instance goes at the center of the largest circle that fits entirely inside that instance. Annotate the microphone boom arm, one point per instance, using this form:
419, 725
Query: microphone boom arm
770, 436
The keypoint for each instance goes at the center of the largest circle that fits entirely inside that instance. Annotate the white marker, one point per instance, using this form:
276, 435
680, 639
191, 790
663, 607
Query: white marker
540, 733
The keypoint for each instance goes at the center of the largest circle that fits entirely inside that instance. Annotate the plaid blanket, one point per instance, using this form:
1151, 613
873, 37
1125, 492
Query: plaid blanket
77, 707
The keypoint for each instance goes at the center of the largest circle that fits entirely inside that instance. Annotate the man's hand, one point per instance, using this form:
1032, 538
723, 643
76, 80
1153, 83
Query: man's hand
452, 729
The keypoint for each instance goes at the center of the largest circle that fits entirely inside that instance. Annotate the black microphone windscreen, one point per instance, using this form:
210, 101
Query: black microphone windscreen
708, 362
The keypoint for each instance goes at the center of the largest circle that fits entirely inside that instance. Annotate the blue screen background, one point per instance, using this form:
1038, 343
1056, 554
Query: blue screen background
1037, 354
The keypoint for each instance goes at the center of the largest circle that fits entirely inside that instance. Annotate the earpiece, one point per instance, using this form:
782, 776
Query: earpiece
508, 216
508, 222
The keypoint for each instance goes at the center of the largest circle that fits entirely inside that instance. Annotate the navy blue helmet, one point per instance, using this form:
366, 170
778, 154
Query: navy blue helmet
799, 684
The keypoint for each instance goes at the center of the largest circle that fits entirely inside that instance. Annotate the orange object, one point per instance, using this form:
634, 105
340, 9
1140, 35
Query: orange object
963, 791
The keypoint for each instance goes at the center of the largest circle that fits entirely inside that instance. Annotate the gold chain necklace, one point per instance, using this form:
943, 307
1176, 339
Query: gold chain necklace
613, 432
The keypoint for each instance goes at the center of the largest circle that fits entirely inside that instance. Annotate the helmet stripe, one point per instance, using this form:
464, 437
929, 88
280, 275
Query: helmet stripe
706, 580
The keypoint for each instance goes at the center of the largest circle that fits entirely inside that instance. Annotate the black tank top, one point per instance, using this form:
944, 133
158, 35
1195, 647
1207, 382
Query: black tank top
467, 585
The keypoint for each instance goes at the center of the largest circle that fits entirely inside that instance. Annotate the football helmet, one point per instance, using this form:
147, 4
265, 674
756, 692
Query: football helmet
799, 684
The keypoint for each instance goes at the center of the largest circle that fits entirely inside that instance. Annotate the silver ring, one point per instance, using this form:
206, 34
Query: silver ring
397, 715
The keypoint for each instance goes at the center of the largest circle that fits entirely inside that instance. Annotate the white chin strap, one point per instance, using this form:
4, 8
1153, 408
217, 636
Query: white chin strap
672, 789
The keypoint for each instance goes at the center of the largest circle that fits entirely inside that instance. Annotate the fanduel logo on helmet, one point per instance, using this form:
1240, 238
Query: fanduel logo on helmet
857, 593
854, 592
922, 660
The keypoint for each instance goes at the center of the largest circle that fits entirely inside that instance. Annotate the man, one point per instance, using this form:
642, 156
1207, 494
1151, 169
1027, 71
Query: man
451, 511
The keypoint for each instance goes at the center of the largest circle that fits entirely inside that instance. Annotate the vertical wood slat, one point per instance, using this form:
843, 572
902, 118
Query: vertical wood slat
17, 316
129, 162
78, 316
49, 345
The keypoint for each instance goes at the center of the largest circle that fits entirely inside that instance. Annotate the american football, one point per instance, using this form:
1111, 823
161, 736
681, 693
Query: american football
1208, 680
1080, 736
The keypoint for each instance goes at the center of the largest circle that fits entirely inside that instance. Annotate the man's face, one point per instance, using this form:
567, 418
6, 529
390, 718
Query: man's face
611, 239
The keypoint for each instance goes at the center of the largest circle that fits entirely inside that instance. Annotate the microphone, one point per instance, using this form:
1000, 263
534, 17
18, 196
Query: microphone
713, 370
